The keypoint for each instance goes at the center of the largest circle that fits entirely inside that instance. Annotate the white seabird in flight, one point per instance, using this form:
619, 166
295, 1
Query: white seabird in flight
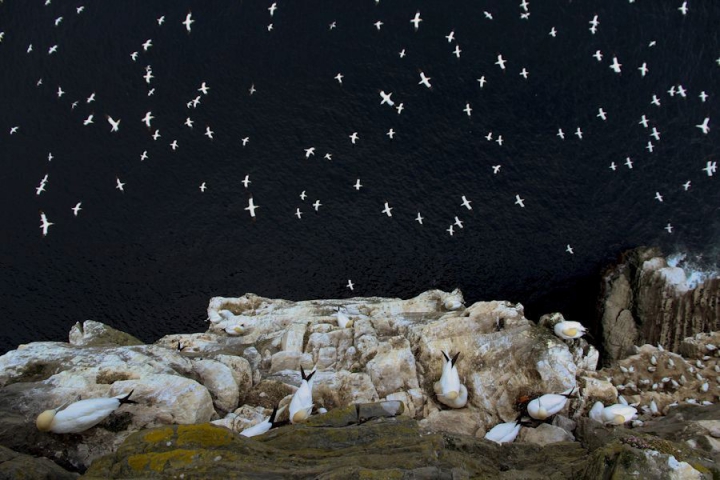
598, 55
188, 21
148, 118
704, 126
386, 98
350, 285
357, 185
519, 201
251, 207
419, 218
174, 145
451, 36
147, 44
114, 124
246, 181
669, 228
156, 135
161, 20
245, 140
189, 122
686, 185
339, 78
209, 133
501, 62
450, 230
44, 224
561, 134
298, 213
629, 163
416, 20
643, 121
615, 65
465, 203
354, 137
390, 133
203, 187
378, 24
643, 69
458, 222
204, 88
457, 51
317, 205
144, 156
119, 185
467, 109
601, 114
387, 210
76, 208
658, 197
303, 195
569, 249
424, 80
272, 9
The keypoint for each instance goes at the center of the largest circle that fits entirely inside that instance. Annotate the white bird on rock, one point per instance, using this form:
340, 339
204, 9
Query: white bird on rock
261, 427
79, 416
547, 405
448, 389
504, 432
618, 414
342, 319
301, 402
569, 330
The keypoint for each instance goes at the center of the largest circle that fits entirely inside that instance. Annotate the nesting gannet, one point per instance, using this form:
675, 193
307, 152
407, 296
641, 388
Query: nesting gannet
451, 36
134, 56
301, 402
704, 126
569, 330
643, 69
357, 185
598, 55
203, 187
263, 426
569, 249
354, 137
386, 98
115, 124
147, 44
147, 119
156, 135
519, 201
350, 285
595, 412
378, 24
482, 81
317, 205
504, 432
161, 20
683, 8
298, 213
174, 145
500, 62
390, 133
416, 20
76, 208
204, 88
387, 210
44, 224
424, 80
457, 51
52, 49
209, 133
448, 389
615, 65
188, 21
458, 222
119, 185
602, 114
251, 207
79, 416
669, 228
419, 218
524, 73
465, 202
547, 405
343, 320
467, 109
272, 9
309, 151
618, 414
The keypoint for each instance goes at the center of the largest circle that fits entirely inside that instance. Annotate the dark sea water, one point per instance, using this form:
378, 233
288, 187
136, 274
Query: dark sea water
148, 259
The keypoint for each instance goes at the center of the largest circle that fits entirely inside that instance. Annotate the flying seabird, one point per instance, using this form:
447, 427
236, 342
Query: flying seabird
615, 65
458, 222
357, 185
399, 108
424, 80
246, 181
643, 121
669, 228
524, 73
378, 24
148, 118
386, 98
161, 20
303, 195
156, 135
387, 210
298, 214
628, 162
339, 78
204, 88
501, 62
188, 21
144, 156
569, 249
189, 122
76, 208
147, 44
419, 218
114, 124
390, 133
561, 134
643, 69
60, 92
482, 81
450, 230
354, 137
457, 51
91, 98
451, 36
174, 145
598, 55
272, 9
317, 205
553, 32
44, 224
686, 185
402, 53
496, 169
203, 187
309, 151
251, 207
601, 114
465, 203
704, 126
350, 285
416, 20
519, 201
467, 109
209, 133
52, 49
245, 140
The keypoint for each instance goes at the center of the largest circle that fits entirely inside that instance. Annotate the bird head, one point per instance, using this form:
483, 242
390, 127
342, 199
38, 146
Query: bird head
45, 419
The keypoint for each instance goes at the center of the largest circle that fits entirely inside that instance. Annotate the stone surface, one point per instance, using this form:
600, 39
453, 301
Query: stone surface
91, 333
220, 381
644, 300
15, 466
544, 434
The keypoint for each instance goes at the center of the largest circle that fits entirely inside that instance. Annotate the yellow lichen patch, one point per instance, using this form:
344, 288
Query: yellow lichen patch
158, 462
158, 435
205, 435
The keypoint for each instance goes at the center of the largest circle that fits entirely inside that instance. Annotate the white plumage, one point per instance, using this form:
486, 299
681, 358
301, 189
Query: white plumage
596, 412
448, 389
546, 405
504, 432
569, 330
79, 416
342, 319
301, 403
261, 427
618, 414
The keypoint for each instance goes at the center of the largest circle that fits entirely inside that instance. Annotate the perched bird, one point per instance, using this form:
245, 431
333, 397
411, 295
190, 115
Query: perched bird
263, 426
301, 402
568, 330
79, 416
448, 389
595, 412
342, 319
547, 405
504, 432
618, 414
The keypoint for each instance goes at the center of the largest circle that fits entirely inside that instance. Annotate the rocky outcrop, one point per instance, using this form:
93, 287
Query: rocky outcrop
645, 300
15, 465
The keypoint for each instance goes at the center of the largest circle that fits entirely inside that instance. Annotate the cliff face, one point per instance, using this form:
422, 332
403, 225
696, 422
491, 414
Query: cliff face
645, 300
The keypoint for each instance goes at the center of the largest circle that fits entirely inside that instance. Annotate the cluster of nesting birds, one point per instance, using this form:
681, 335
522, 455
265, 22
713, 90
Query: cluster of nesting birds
425, 81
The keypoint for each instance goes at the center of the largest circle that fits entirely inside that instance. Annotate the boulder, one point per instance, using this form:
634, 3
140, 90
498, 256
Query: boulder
545, 434
220, 381
91, 333
15, 465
